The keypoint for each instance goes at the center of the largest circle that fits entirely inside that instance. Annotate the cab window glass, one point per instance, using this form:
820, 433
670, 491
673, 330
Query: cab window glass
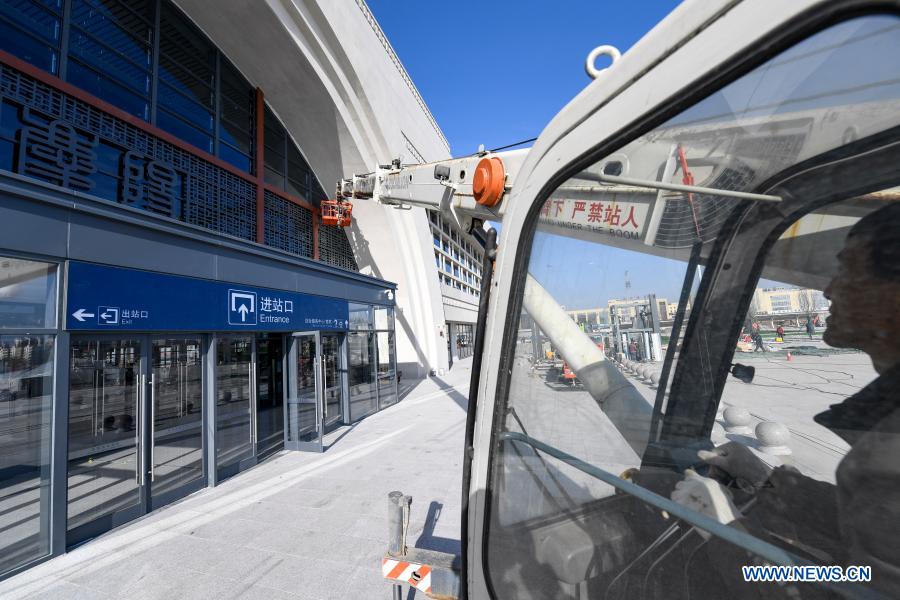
612, 290
801, 359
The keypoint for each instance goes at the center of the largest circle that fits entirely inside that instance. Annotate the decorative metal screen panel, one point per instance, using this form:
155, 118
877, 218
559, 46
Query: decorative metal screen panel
54, 137
288, 226
334, 248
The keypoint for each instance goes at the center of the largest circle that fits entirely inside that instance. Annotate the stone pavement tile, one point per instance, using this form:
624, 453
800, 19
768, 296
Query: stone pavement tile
240, 591
60, 589
119, 577
140, 578
301, 495
216, 558
229, 528
368, 583
357, 503
322, 519
169, 584
322, 545
285, 539
308, 577
370, 527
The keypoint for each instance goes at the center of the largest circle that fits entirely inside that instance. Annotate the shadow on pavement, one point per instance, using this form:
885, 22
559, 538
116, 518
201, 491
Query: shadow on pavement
461, 400
428, 540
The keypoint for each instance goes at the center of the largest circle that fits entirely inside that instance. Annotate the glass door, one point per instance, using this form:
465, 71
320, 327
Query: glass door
106, 461
269, 393
304, 409
234, 404
176, 420
331, 379
135, 428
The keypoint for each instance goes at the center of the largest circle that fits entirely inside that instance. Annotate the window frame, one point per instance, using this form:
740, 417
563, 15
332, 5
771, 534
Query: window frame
807, 21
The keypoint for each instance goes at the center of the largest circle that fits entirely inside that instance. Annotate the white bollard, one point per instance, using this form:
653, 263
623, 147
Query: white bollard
654, 378
737, 420
773, 438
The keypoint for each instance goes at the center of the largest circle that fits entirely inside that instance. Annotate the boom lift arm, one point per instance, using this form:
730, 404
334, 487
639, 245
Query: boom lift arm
469, 190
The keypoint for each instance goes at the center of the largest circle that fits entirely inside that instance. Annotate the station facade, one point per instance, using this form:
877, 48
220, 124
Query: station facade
171, 309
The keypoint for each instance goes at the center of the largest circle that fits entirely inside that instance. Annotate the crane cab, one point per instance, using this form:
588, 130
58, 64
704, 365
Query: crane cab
787, 115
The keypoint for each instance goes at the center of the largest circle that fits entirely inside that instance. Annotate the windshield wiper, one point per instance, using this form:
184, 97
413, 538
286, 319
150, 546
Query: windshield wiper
675, 187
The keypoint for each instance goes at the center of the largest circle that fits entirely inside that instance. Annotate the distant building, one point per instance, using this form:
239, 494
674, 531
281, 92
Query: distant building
788, 301
590, 318
457, 260
630, 308
671, 310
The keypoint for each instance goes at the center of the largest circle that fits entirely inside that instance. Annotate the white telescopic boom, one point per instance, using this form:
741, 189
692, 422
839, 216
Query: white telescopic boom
620, 401
472, 189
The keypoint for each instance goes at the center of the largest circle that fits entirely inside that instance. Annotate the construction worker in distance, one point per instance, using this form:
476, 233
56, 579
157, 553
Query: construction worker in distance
856, 521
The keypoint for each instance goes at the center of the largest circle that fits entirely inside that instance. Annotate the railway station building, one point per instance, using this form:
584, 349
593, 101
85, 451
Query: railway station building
173, 309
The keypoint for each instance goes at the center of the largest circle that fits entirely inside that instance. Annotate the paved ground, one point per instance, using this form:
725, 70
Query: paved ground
297, 526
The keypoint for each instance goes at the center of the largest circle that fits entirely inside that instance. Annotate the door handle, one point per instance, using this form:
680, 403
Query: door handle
152, 431
251, 383
324, 386
140, 463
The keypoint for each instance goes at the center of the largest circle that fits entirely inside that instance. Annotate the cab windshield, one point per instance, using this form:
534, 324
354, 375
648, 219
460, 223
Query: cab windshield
706, 366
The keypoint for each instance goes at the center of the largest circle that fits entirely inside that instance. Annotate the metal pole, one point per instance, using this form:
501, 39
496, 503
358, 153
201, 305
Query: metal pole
395, 524
398, 520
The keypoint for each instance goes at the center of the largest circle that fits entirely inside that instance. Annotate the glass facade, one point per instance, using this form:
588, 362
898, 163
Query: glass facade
234, 373
459, 259
27, 303
27, 294
269, 392
135, 437
177, 397
26, 393
387, 356
371, 352
147, 59
145, 418
104, 472
361, 374
113, 52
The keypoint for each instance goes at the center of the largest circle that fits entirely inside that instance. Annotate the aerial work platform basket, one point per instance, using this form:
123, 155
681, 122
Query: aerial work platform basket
336, 213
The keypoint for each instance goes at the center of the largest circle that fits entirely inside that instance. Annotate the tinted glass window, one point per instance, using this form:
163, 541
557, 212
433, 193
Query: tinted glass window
27, 294
26, 394
32, 32
237, 107
123, 30
361, 316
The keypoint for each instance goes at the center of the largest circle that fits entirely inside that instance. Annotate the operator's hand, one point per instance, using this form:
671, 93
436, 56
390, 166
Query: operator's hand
706, 496
739, 462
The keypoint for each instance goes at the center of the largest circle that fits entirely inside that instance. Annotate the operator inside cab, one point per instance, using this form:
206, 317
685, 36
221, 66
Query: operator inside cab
855, 521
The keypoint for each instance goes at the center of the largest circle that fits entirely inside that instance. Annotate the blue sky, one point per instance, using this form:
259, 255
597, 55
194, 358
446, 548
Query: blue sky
495, 73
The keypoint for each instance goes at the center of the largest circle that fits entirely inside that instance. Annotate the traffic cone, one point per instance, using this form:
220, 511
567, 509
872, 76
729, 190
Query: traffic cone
789, 357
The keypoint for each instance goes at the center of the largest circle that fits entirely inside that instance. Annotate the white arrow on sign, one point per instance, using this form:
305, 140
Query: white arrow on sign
81, 315
243, 310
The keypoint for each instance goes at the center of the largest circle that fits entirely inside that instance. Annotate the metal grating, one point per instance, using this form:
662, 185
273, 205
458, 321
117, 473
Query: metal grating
335, 249
207, 195
684, 222
288, 226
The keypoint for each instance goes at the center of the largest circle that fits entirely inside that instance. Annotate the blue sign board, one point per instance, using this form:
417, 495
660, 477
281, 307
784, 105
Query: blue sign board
112, 298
